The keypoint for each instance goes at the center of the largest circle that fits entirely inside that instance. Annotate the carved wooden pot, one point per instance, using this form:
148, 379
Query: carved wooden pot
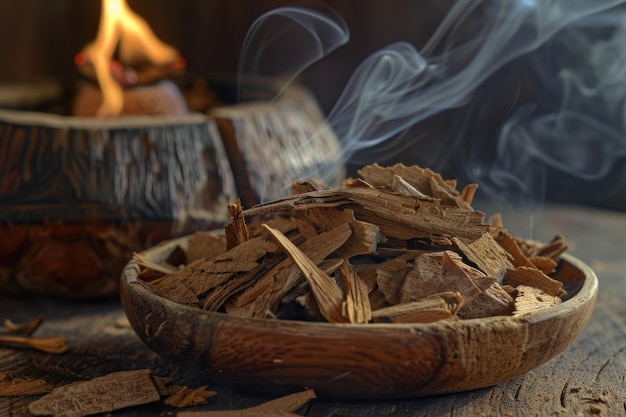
79, 195
356, 360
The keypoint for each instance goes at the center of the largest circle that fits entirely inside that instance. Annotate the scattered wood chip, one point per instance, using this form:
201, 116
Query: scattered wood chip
21, 387
23, 328
188, 397
99, 395
282, 406
50, 344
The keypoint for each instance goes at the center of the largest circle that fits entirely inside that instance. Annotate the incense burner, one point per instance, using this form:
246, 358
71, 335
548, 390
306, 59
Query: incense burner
79, 195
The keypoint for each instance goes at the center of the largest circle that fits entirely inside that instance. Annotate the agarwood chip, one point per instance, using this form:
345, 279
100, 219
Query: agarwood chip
365, 236
426, 310
485, 252
206, 274
419, 178
265, 294
440, 272
21, 387
99, 395
535, 278
311, 184
468, 192
189, 397
509, 244
399, 216
236, 231
325, 289
545, 264
203, 245
494, 301
400, 185
530, 299
377, 300
390, 274
282, 406
49, 344
356, 306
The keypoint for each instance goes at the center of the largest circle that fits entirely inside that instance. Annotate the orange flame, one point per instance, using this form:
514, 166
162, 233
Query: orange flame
120, 25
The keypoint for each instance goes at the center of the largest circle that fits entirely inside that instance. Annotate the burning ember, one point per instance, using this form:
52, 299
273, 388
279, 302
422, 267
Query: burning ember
136, 44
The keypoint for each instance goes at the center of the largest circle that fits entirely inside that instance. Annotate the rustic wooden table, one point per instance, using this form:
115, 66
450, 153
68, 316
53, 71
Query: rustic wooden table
589, 378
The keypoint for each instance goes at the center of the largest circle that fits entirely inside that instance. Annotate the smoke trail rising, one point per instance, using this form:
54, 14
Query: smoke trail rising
530, 97
285, 41
566, 134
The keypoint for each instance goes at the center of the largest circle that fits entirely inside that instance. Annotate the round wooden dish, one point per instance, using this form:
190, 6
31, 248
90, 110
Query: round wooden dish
357, 361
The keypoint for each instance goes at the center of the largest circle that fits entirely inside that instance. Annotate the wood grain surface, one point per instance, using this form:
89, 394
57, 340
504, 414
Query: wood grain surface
587, 379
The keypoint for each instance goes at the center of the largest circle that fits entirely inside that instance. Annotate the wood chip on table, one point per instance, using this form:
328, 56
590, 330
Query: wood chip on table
283, 406
48, 344
99, 395
23, 328
182, 396
10, 386
421, 179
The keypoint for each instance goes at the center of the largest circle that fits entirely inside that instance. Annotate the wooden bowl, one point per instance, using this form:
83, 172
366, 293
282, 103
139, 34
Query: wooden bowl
350, 361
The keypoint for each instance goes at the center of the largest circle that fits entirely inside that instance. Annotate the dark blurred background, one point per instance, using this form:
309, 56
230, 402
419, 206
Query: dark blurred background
40, 38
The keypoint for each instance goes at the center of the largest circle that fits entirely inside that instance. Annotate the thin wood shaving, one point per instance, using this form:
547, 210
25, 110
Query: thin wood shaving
188, 397
50, 344
282, 406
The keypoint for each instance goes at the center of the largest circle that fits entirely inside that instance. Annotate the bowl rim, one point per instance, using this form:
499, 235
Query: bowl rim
585, 294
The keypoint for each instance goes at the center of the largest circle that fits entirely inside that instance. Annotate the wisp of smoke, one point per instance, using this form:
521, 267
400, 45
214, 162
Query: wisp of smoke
552, 71
283, 42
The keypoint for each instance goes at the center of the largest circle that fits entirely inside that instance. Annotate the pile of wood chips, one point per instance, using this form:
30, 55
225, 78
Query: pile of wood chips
398, 245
